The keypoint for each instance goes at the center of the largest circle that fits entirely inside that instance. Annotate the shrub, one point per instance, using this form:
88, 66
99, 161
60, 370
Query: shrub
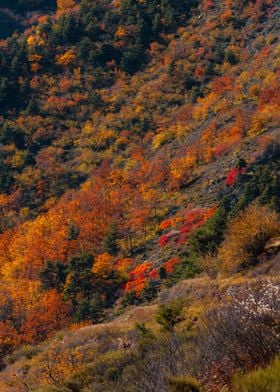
183, 384
247, 237
233, 176
170, 314
241, 334
154, 363
27, 351
106, 371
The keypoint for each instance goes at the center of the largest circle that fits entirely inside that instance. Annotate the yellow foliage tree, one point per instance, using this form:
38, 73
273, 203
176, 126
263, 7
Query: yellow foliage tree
63, 5
66, 58
246, 239
103, 264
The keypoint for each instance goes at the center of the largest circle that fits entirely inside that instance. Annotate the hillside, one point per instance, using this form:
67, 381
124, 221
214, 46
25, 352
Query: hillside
127, 353
139, 154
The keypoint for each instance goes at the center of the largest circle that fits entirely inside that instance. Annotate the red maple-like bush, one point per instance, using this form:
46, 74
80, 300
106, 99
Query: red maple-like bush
233, 176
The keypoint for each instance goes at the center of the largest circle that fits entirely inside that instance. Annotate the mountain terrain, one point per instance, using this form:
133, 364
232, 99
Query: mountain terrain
139, 195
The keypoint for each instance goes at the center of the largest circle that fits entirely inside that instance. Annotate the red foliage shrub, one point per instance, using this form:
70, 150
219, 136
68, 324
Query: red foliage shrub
163, 240
233, 175
171, 263
194, 218
166, 224
154, 274
138, 278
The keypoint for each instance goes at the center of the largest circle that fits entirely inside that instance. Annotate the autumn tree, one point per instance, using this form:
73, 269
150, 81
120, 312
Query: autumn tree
48, 316
247, 236
64, 5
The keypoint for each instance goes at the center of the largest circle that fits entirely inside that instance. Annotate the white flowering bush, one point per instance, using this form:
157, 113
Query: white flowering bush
261, 301
242, 333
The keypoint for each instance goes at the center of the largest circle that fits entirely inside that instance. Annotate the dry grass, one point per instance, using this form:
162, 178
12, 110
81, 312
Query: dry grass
83, 345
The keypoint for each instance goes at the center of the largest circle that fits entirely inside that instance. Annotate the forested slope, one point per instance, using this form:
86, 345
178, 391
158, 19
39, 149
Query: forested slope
139, 146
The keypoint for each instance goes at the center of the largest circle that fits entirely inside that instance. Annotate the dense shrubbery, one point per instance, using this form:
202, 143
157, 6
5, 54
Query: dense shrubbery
242, 334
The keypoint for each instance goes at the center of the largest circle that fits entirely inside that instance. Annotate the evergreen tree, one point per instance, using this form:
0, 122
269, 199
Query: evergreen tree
53, 275
110, 241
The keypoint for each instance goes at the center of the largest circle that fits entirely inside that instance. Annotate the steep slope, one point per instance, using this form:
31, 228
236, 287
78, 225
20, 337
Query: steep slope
133, 138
